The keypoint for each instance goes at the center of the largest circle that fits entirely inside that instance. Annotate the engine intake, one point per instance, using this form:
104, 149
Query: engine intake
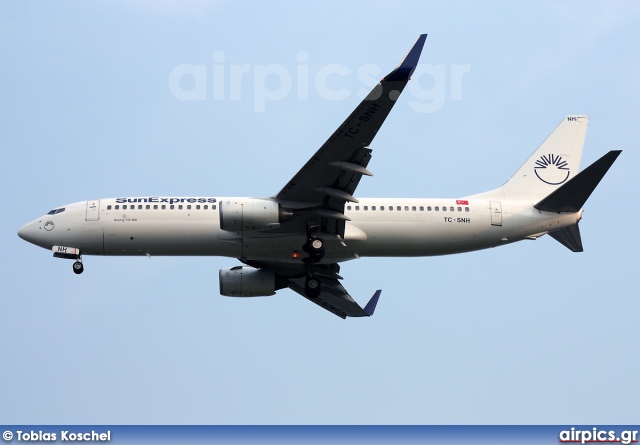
245, 281
252, 214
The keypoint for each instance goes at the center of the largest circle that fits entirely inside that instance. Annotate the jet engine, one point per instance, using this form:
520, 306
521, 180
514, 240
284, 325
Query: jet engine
245, 281
252, 214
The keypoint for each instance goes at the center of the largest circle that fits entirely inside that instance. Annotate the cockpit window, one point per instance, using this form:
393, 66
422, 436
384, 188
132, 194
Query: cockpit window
56, 211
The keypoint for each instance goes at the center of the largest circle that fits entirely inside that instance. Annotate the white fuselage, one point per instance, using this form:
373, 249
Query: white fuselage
391, 227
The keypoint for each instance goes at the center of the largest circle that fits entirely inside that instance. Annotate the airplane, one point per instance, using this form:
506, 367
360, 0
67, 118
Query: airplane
297, 238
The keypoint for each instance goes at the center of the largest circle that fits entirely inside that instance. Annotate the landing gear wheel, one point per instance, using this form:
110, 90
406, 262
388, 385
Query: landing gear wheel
316, 245
78, 268
315, 248
312, 287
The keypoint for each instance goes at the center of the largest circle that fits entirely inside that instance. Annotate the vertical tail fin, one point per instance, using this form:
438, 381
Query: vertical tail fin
553, 163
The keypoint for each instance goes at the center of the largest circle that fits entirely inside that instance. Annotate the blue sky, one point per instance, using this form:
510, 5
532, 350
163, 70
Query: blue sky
528, 333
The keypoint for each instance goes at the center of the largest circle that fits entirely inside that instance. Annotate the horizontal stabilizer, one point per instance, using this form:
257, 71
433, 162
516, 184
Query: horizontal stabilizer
571, 196
569, 237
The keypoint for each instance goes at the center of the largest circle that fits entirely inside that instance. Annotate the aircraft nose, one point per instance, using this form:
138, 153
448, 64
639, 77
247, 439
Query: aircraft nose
26, 232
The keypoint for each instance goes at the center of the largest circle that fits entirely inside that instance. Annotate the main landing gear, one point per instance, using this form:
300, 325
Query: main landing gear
314, 247
312, 285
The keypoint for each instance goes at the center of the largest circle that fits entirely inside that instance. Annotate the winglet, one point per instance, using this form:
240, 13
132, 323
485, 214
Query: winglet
408, 65
371, 305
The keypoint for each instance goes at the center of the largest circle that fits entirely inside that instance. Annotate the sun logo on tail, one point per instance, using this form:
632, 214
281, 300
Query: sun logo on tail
551, 169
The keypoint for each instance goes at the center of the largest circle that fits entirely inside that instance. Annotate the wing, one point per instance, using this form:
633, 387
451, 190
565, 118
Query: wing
330, 177
335, 299
318, 192
333, 296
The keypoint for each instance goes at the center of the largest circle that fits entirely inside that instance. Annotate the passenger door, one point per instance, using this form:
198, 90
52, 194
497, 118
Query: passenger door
93, 210
496, 213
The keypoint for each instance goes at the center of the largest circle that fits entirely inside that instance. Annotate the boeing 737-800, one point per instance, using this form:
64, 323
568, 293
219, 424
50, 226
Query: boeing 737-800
297, 238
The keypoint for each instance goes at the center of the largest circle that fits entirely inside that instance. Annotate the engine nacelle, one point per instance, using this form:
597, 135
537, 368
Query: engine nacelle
245, 281
251, 214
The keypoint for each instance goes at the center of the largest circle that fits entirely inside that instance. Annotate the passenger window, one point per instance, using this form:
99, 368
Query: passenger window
148, 206
357, 207
398, 208
381, 208
189, 207
124, 207
437, 208
390, 208
172, 207
206, 207
117, 207
373, 207
366, 207
451, 208
348, 207
421, 208
428, 208
180, 207
466, 209
444, 209
155, 207
198, 207
108, 208
459, 209
213, 207
139, 206
413, 208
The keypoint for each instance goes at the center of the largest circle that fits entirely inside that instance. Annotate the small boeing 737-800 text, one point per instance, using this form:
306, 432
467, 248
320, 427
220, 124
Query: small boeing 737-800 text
297, 238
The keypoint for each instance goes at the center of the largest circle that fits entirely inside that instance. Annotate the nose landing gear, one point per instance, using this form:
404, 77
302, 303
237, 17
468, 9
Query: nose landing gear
78, 268
70, 253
